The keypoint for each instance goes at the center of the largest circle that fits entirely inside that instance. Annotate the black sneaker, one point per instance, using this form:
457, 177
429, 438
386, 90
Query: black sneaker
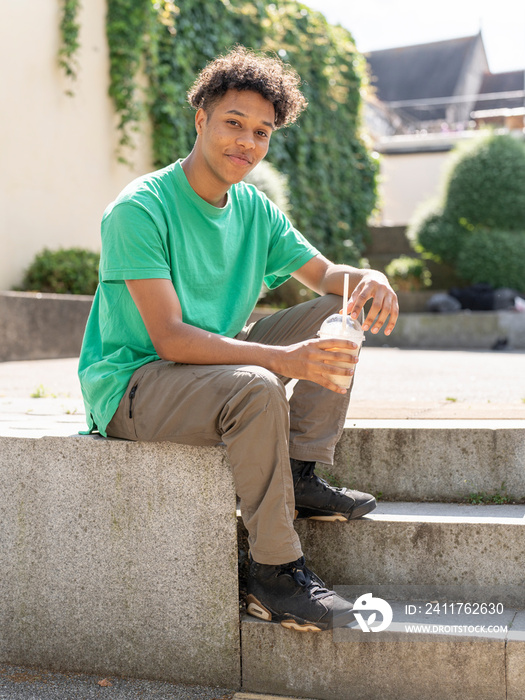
317, 500
294, 596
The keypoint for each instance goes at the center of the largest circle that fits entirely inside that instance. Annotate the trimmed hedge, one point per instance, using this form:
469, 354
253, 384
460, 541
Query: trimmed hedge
486, 186
494, 257
479, 226
437, 237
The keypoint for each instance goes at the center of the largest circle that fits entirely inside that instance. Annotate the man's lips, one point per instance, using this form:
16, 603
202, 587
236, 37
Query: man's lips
240, 158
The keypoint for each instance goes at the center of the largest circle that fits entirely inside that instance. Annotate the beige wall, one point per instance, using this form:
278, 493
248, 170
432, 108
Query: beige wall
408, 180
58, 167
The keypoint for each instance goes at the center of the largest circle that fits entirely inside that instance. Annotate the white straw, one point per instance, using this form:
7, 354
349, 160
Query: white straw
345, 301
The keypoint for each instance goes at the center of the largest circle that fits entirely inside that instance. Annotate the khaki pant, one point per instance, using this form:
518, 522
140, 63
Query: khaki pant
246, 408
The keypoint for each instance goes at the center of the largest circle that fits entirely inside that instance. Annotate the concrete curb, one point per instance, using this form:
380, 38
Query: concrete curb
35, 326
462, 330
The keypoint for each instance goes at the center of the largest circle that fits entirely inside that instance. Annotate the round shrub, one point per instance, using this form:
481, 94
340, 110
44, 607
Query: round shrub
408, 274
494, 257
436, 235
63, 271
486, 184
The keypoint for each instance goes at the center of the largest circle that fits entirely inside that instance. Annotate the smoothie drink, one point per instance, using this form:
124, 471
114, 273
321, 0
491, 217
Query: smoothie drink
338, 326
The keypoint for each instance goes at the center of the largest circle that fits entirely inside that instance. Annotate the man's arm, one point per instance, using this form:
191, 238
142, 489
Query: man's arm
174, 340
324, 277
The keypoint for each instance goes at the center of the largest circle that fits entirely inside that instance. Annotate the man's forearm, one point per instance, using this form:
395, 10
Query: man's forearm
192, 345
333, 280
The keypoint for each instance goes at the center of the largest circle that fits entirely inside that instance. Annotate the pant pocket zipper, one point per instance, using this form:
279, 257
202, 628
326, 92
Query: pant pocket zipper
131, 397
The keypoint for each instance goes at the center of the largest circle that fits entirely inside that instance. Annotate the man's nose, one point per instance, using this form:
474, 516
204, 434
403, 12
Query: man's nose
246, 139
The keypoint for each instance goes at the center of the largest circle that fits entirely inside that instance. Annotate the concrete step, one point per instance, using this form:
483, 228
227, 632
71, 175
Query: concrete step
438, 460
452, 658
426, 551
119, 558
422, 551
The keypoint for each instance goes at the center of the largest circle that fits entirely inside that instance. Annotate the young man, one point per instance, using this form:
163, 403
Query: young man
167, 355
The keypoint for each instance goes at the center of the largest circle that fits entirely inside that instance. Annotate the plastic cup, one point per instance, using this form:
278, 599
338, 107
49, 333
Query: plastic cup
335, 327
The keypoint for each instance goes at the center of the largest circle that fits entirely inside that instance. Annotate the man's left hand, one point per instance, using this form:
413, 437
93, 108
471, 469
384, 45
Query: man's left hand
374, 285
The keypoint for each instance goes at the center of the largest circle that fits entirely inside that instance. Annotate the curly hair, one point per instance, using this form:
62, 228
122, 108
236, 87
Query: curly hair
242, 69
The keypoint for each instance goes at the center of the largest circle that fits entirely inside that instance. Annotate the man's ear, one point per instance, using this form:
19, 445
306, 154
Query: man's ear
200, 120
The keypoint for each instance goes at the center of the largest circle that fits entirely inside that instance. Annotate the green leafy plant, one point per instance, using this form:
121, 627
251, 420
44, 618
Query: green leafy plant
408, 274
498, 497
69, 31
494, 257
40, 392
63, 271
130, 27
434, 236
485, 186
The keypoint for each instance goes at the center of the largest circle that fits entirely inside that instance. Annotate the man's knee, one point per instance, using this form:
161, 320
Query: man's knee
260, 380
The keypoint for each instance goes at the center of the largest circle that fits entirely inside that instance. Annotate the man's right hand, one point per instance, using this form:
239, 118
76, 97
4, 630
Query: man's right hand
314, 360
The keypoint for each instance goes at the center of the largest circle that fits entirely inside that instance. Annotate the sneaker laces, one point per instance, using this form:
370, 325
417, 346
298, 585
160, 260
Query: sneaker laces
306, 578
307, 472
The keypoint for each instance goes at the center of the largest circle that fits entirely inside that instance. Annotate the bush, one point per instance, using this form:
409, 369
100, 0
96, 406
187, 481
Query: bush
437, 237
408, 274
486, 184
494, 257
478, 227
63, 271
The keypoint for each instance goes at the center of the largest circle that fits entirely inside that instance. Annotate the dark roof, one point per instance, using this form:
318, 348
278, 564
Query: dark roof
502, 82
421, 71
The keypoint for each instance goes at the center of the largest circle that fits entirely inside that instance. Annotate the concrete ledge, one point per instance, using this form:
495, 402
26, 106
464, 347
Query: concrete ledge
465, 329
119, 558
432, 460
516, 659
36, 326
348, 663
475, 552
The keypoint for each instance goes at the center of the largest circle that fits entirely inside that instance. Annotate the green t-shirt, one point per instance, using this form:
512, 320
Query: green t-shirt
217, 259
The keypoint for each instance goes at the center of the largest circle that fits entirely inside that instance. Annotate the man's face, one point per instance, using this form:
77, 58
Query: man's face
234, 135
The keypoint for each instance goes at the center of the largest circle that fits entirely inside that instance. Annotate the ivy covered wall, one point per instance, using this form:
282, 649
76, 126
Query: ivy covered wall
331, 175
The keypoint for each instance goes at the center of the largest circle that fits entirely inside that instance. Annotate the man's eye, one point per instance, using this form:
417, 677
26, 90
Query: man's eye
263, 134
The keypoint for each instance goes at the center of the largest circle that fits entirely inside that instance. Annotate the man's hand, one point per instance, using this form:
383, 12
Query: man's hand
374, 285
324, 277
314, 360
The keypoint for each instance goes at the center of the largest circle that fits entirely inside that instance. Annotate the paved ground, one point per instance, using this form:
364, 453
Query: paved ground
17, 683
43, 397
